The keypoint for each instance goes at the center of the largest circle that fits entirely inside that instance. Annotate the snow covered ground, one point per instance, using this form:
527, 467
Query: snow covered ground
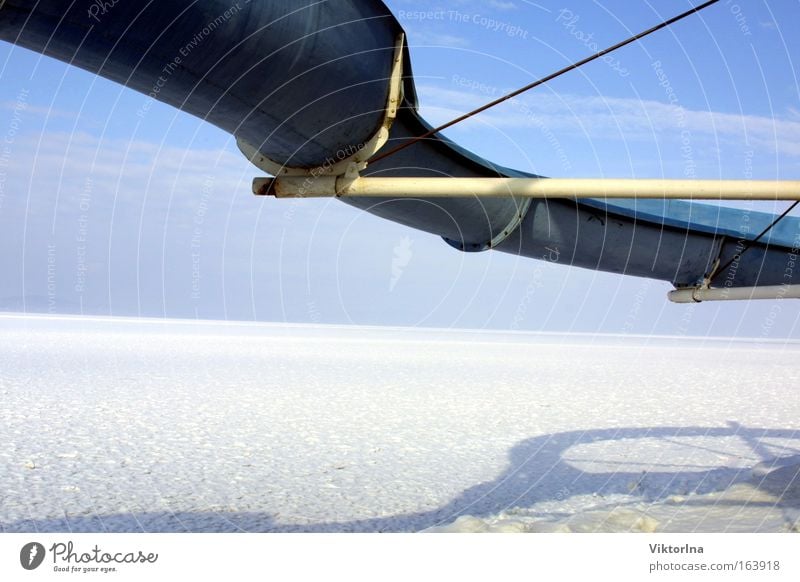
136, 425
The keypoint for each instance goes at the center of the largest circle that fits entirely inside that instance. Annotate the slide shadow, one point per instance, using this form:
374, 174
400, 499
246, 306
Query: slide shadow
547, 468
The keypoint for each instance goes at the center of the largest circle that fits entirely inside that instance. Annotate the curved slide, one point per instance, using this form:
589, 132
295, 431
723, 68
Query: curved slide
303, 81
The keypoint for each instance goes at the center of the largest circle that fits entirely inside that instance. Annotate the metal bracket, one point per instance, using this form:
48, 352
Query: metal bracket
699, 294
512, 225
340, 164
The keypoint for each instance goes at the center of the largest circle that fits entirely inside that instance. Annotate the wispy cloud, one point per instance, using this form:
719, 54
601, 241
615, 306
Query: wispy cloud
39, 110
502, 5
62, 158
430, 38
609, 117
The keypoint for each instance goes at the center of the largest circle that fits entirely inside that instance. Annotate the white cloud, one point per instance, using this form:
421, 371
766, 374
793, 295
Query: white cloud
624, 118
38, 110
502, 5
429, 38
62, 159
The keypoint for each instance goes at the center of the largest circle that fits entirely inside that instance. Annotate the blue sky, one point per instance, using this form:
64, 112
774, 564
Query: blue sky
106, 211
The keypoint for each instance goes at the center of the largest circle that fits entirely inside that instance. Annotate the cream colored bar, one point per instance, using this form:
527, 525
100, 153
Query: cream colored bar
698, 294
329, 186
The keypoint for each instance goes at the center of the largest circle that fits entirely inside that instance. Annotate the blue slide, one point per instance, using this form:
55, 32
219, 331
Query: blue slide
302, 80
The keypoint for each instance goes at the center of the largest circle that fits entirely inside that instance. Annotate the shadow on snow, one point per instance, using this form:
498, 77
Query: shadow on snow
539, 470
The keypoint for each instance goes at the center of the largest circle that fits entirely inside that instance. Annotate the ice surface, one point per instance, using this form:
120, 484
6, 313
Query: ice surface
136, 425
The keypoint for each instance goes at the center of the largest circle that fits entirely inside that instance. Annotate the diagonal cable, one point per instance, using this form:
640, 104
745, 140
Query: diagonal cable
542, 81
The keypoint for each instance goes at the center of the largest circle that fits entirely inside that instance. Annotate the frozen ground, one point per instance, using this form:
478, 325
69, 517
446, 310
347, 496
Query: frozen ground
126, 425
